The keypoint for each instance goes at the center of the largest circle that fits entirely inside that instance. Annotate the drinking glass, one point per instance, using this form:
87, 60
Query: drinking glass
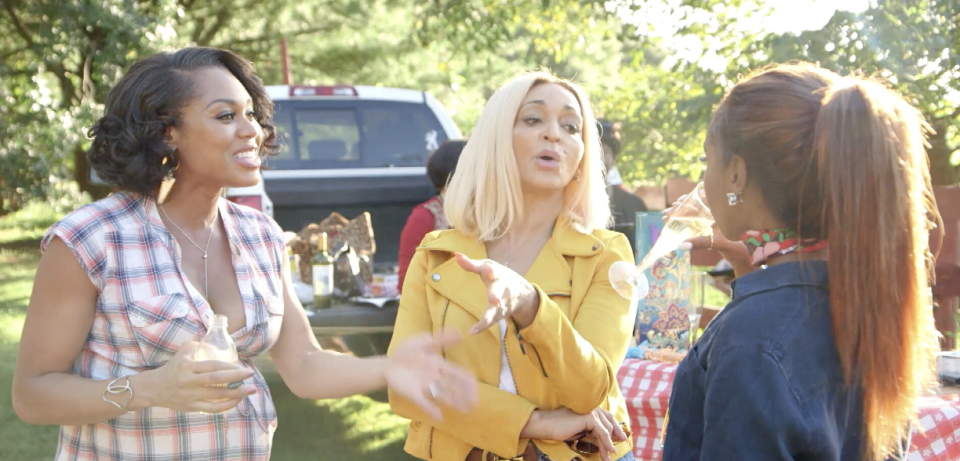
690, 218
698, 292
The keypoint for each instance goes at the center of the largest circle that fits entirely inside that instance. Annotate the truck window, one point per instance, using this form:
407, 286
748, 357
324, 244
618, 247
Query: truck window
327, 138
321, 134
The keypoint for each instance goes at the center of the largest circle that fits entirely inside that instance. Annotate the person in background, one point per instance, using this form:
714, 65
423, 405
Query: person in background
127, 284
524, 271
823, 354
624, 204
428, 216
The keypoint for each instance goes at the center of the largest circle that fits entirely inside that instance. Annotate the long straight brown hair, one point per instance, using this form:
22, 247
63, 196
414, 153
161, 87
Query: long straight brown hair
843, 159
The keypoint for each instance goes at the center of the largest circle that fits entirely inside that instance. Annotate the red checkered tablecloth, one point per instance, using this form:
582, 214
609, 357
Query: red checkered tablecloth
939, 437
646, 387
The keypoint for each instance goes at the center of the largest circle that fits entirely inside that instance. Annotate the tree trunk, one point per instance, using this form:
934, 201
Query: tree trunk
942, 173
81, 174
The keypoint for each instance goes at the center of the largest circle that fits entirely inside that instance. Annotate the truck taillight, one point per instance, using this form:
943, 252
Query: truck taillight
336, 90
252, 201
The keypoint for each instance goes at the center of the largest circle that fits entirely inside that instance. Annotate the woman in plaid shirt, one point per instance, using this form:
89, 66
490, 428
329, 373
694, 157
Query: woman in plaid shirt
126, 286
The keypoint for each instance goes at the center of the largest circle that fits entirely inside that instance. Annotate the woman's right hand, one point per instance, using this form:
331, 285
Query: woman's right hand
419, 372
598, 426
734, 252
184, 384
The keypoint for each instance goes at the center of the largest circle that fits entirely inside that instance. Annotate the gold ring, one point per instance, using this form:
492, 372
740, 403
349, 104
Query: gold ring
711, 243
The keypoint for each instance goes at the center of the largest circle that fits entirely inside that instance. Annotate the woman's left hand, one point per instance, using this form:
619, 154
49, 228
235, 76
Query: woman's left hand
509, 295
419, 373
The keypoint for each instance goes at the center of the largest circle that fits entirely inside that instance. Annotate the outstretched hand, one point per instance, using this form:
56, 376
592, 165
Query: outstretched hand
509, 295
418, 372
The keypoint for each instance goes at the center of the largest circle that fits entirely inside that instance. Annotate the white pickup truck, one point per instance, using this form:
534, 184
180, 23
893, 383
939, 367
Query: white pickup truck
350, 149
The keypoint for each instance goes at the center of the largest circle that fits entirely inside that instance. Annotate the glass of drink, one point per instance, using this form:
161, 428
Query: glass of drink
218, 345
698, 292
689, 218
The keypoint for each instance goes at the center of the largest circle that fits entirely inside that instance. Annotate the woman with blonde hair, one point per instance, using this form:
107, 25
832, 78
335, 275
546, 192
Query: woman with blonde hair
523, 271
823, 354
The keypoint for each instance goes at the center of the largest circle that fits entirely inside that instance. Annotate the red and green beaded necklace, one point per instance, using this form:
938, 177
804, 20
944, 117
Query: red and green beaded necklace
762, 245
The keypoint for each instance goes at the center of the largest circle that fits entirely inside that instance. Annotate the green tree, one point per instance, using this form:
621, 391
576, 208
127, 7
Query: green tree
60, 59
676, 76
56, 59
913, 45
462, 50
671, 77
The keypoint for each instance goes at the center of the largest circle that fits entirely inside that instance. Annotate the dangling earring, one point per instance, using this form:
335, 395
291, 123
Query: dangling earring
734, 198
168, 180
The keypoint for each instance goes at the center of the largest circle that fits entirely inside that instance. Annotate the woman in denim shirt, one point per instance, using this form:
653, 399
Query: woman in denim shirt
817, 357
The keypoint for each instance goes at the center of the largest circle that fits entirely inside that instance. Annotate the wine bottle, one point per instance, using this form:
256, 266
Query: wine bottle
322, 275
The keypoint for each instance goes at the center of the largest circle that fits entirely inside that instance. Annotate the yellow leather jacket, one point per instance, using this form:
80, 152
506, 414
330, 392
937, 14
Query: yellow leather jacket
568, 357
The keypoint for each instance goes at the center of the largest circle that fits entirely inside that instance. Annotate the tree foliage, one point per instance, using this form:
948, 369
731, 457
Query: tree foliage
56, 59
658, 66
911, 44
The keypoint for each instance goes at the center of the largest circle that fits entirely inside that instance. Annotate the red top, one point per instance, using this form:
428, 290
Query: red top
424, 219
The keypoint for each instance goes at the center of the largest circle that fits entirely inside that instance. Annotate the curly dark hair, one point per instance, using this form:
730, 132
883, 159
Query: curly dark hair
443, 162
128, 141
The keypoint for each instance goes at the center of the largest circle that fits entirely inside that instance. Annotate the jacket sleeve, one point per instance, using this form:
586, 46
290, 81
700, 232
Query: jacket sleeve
593, 345
419, 224
502, 415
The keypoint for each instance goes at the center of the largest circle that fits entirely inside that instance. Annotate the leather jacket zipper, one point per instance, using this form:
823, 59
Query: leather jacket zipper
443, 325
543, 370
443, 353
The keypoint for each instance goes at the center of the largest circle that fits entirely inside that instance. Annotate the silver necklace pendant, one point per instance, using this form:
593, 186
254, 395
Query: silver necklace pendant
206, 294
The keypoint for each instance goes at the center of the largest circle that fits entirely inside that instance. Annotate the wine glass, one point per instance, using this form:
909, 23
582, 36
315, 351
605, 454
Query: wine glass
698, 292
689, 218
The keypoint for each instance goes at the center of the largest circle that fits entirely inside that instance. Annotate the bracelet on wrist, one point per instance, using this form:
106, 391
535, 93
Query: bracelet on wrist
114, 389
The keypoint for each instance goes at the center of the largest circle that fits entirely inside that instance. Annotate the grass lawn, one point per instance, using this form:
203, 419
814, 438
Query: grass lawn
23, 229
17, 440
347, 429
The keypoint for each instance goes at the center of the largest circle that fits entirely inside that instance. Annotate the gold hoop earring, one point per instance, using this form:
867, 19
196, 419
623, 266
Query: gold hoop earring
169, 158
166, 184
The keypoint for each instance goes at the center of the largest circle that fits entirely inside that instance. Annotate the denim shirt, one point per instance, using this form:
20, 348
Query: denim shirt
765, 381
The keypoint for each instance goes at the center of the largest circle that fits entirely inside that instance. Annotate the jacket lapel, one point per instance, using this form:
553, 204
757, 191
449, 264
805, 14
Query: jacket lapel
450, 280
582, 250
552, 271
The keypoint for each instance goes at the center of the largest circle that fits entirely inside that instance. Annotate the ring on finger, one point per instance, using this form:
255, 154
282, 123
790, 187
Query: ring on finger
711, 243
434, 390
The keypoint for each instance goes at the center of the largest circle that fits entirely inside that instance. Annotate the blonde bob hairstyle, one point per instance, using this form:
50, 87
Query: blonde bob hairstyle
484, 197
